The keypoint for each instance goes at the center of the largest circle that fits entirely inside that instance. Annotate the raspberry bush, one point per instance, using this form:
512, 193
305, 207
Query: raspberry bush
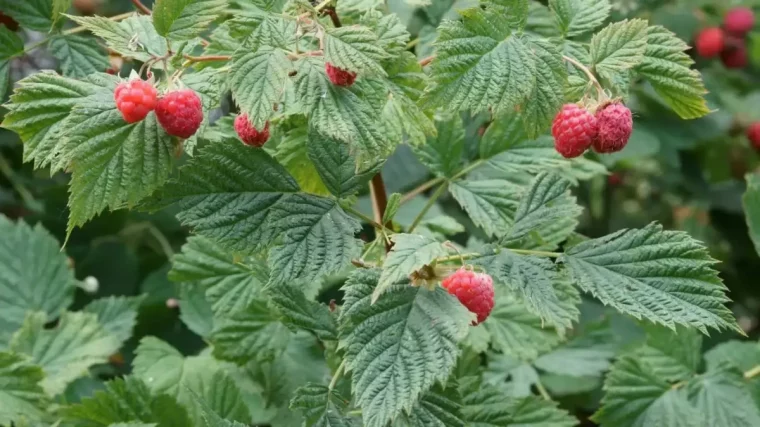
369, 213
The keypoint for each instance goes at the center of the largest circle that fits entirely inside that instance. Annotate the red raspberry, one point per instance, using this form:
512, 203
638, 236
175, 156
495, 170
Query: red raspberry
574, 129
735, 55
248, 133
739, 20
9, 22
135, 99
753, 134
615, 127
709, 42
473, 290
180, 113
339, 76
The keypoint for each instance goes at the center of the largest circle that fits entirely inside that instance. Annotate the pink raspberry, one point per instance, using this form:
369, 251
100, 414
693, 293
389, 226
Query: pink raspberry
615, 127
710, 42
473, 290
574, 130
739, 20
180, 113
735, 54
135, 99
753, 134
339, 76
249, 134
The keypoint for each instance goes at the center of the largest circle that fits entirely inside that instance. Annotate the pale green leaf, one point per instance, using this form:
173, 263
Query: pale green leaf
354, 48
10, 45
578, 17
548, 93
59, 7
337, 166
391, 209
439, 407
723, 397
506, 131
258, 79
410, 253
34, 275
195, 310
667, 67
134, 37
397, 348
490, 203
21, 396
185, 19
619, 47
442, 154
322, 407
576, 362
116, 314
252, 334
663, 276
751, 203
126, 400
488, 407
79, 56
296, 311
392, 35
64, 353
292, 153
30, 14
674, 356
743, 355
510, 375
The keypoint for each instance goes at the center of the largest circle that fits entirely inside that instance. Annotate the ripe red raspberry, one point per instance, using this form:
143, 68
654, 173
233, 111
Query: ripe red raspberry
248, 133
735, 56
473, 290
135, 99
739, 20
180, 113
339, 76
615, 127
709, 42
574, 130
753, 134
9, 22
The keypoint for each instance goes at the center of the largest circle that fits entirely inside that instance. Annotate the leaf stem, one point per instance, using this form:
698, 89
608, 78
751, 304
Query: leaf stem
330, 11
336, 376
752, 372
25, 194
421, 189
542, 390
428, 205
536, 253
379, 198
74, 30
586, 71
469, 168
141, 7
207, 58
458, 257
367, 219
322, 5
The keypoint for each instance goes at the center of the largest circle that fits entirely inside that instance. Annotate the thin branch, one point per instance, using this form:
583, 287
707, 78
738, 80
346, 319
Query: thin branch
141, 7
426, 61
421, 189
752, 372
536, 253
427, 207
323, 5
208, 58
542, 390
379, 202
337, 375
330, 11
368, 220
586, 71
74, 30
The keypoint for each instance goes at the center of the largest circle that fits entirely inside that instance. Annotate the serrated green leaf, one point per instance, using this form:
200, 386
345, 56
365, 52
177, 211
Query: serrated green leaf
673, 356
397, 348
667, 67
442, 154
392, 35
663, 276
37, 111
506, 131
578, 17
194, 310
439, 407
548, 93
751, 203
252, 334
723, 398
134, 37
337, 166
410, 253
619, 47
394, 203
322, 407
34, 275
576, 362
116, 314
10, 45
64, 353
354, 48
292, 152
126, 400
444, 225
59, 7
79, 56
744, 355
258, 79
185, 19
490, 203
166, 371
21, 395
487, 407
510, 375
230, 284
298, 312
31, 14
637, 396
481, 64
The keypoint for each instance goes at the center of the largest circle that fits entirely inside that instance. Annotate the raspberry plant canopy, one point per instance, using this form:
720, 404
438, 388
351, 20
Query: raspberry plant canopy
271, 224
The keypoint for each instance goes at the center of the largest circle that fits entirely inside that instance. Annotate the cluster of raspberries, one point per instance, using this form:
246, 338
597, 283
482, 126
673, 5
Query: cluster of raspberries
180, 112
729, 41
575, 129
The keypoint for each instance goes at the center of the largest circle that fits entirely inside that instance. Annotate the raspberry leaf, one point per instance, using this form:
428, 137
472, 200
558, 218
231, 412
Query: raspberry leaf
116, 314
441, 406
354, 48
185, 19
619, 47
410, 253
666, 66
487, 406
252, 334
11, 45
673, 356
578, 17
548, 93
79, 56
298, 312
34, 276
258, 81
337, 166
195, 310
490, 203
66, 352
663, 276
32, 14
723, 397
397, 348
751, 203
134, 37
21, 397
743, 355
442, 154
126, 400
322, 407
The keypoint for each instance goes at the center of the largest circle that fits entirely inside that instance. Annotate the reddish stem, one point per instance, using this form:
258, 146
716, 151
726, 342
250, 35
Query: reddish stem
141, 7
379, 201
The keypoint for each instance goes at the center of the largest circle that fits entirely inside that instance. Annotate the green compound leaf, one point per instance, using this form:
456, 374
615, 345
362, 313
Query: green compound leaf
548, 93
126, 400
322, 407
663, 276
337, 166
32, 14
298, 312
397, 348
442, 154
134, 37
751, 203
116, 314
252, 334
64, 353
10, 45
490, 203
481, 64
667, 67
486, 406
439, 407
185, 19
673, 356
354, 48
79, 56
258, 80
723, 398
619, 47
21, 396
230, 284
34, 276
195, 310
410, 253
578, 17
